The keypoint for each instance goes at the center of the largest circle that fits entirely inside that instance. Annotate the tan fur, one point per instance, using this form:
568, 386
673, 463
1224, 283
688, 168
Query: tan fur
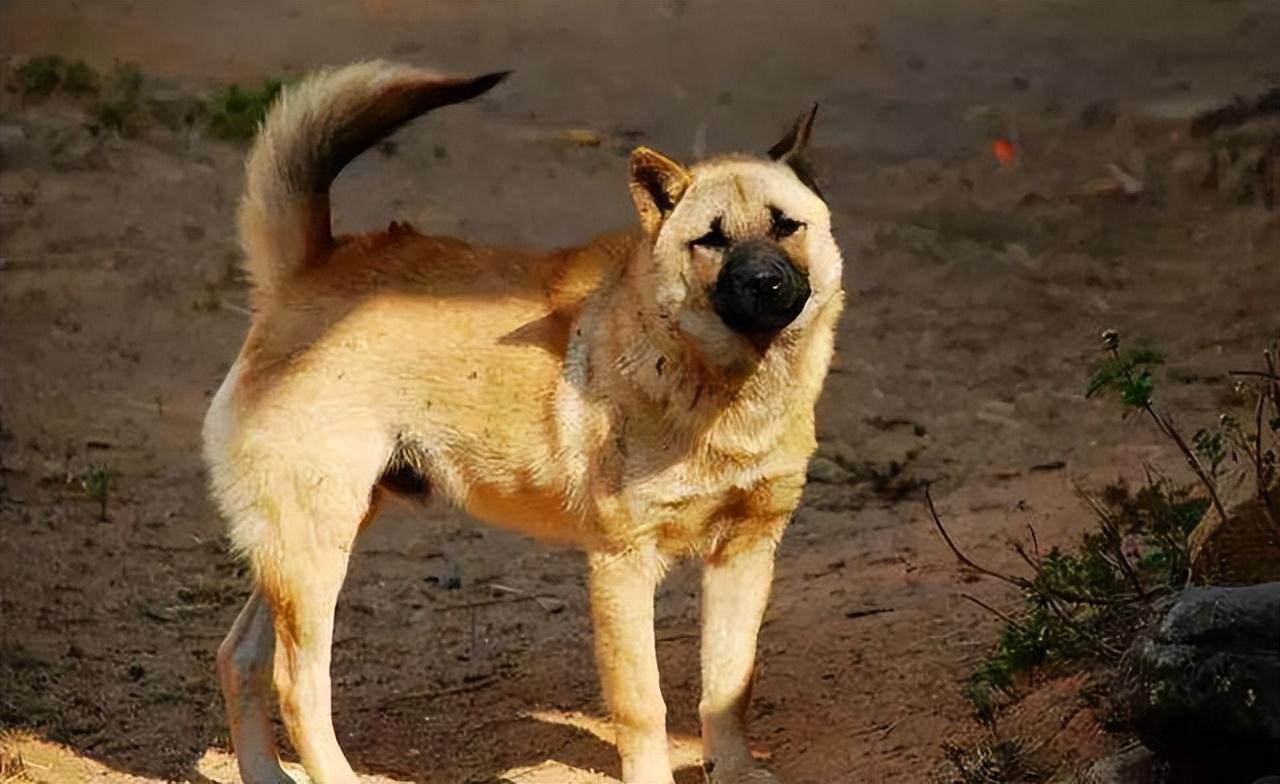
588, 395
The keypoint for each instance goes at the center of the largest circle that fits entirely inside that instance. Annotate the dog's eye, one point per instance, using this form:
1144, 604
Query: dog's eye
782, 226
714, 238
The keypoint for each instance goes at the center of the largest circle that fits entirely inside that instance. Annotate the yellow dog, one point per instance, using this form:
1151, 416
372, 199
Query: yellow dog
645, 396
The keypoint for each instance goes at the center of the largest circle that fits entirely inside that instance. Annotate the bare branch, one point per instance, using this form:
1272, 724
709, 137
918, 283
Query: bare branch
1020, 582
1009, 619
1167, 427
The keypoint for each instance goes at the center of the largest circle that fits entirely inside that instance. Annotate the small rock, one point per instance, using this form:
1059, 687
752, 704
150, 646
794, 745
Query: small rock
192, 232
1130, 184
79, 151
1098, 187
1202, 684
582, 137
1100, 115
826, 471
13, 143
1190, 170
174, 109
1138, 765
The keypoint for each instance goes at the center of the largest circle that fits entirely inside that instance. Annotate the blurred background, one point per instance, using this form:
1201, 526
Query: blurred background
1007, 181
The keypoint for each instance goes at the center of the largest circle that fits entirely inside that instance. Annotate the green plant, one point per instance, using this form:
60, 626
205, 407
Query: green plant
1128, 374
991, 761
97, 488
120, 108
236, 112
41, 75
1082, 605
44, 74
80, 78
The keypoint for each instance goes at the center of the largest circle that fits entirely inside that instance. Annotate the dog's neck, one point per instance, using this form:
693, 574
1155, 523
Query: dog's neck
741, 407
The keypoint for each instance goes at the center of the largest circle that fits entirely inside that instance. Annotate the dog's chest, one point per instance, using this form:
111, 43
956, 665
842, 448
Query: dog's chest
692, 504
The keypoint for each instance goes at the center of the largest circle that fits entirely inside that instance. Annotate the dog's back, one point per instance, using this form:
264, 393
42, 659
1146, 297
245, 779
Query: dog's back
388, 359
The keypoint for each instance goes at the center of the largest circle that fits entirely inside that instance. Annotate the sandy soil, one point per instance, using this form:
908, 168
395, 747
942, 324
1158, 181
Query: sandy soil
976, 298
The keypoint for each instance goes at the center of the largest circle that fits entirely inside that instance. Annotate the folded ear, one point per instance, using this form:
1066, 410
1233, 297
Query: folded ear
657, 183
793, 149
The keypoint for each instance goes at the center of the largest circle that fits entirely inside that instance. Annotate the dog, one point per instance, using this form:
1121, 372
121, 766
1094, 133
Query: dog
644, 397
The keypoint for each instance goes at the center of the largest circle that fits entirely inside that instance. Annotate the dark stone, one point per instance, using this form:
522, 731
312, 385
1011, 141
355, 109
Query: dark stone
1202, 685
1137, 765
1100, 115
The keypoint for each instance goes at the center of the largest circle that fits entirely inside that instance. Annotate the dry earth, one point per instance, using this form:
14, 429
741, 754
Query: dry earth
976, 297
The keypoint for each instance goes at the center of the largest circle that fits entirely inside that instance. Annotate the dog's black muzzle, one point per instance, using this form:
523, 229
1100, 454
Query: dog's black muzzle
759, 290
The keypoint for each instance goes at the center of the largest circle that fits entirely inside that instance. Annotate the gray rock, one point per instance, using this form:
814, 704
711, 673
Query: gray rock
14, 145
827, 471
1202, 686
173, 108
1137, 765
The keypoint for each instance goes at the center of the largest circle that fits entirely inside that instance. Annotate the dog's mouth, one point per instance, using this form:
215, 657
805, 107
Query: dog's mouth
759, 291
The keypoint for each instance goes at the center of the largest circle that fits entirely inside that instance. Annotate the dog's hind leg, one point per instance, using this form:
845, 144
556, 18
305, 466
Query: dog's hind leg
245, 661
301, 574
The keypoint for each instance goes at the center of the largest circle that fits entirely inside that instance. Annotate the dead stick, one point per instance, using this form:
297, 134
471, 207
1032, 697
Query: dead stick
1014, 580
1254, 373
1019, 582
1166, 426
1009, 619
1270, 357
1264, 492
430, 695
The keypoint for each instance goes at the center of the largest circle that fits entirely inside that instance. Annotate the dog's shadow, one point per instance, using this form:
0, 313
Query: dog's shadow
539, 747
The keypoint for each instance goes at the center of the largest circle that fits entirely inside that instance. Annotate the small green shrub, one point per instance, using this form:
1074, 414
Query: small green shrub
97, 488
80, 78
41, 75
1083, 604
236, 112
120, 108
1126, 374
44, 74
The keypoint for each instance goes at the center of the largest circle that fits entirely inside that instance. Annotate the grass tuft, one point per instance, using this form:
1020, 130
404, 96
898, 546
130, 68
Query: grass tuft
41, 75
120, 108
44, 74
97, 488
994, 761
80, 79
236, 112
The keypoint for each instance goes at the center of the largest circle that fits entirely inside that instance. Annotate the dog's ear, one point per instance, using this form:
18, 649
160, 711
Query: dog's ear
657, 183
793, 149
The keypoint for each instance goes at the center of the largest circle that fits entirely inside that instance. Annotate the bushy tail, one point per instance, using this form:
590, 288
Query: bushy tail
313, 130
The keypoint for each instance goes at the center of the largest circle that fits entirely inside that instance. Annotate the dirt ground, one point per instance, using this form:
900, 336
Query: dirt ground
976, 297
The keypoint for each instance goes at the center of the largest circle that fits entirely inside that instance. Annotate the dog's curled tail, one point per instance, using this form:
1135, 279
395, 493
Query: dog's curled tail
315, 129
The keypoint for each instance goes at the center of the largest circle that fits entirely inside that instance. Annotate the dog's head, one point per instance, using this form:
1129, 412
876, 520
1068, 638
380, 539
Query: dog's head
742, 250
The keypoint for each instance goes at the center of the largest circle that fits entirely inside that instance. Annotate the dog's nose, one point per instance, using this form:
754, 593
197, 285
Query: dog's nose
759, 290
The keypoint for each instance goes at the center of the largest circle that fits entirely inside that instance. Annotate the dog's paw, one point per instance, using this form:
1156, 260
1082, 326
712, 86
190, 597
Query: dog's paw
751, 776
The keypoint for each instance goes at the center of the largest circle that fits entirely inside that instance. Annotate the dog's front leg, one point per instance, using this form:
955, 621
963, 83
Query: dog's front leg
622, 588
735, 590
